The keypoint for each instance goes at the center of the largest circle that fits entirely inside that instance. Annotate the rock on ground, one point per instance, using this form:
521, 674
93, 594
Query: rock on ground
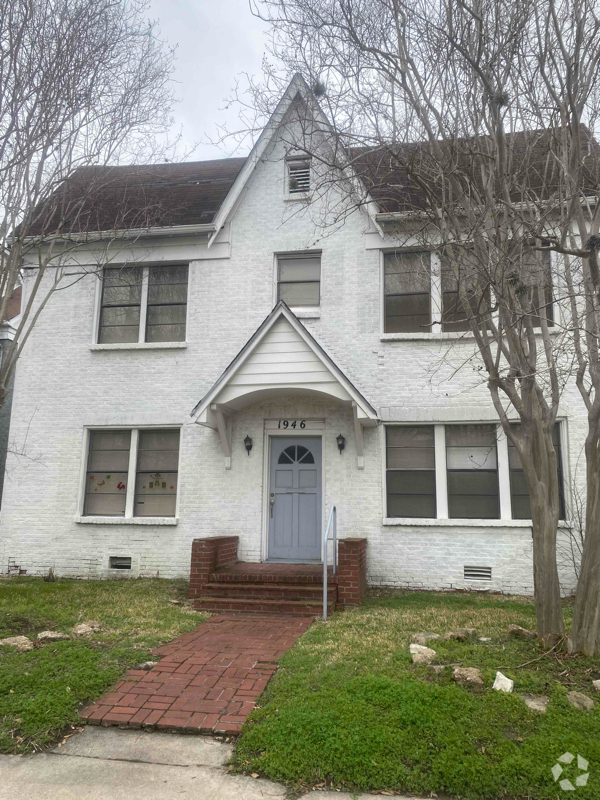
521, 633
82, 629
424, 637
470, 675
147, 665
437, 668
22, 643
421, 654
581, 701
485, 639
536, 702
460, 634
596, 685
503, 684
51, 636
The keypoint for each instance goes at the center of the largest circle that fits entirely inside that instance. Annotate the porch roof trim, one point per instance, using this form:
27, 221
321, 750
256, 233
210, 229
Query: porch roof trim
364, 411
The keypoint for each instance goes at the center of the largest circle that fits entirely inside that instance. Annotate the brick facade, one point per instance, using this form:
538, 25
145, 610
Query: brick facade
352, 571
208, 555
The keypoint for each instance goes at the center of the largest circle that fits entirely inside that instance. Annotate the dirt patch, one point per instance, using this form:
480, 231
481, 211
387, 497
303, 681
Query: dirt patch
22, 626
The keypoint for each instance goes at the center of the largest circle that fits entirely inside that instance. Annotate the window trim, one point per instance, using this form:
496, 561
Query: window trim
141, 342
503, 471
128, 518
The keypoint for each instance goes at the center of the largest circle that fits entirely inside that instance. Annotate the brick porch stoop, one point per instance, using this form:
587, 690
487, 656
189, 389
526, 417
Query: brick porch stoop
207, 681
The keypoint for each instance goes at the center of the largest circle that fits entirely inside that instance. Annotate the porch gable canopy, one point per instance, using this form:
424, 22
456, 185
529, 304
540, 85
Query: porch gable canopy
281, 356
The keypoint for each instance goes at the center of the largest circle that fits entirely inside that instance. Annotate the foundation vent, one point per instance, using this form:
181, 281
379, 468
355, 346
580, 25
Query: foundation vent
119, 562
478, 573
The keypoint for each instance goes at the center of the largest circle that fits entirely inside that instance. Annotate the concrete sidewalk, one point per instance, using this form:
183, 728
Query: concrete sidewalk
115, 764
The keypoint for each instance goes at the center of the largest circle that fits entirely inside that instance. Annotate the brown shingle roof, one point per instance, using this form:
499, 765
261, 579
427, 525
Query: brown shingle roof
13, 307
112, 198
390, 172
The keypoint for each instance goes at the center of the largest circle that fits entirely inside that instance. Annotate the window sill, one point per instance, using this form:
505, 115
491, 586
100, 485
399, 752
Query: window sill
296, 198
306, 312
425, 336
127, 520
462, 523
140, 346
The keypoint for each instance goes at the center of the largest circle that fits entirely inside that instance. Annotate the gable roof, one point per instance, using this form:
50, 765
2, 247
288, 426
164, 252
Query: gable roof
103, 198
315, 372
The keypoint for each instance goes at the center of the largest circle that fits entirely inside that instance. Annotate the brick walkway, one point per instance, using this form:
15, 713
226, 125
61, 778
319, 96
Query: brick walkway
206, 681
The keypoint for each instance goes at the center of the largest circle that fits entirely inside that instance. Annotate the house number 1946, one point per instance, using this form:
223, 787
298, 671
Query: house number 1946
292, 423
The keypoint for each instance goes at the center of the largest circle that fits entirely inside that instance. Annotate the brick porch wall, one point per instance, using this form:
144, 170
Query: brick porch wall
352, 571
207, 555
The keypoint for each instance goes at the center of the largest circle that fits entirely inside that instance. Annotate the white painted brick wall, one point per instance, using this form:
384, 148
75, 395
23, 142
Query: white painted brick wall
62, 385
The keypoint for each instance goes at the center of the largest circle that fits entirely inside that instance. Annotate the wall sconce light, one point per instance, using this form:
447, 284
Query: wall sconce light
248, 443
341, 442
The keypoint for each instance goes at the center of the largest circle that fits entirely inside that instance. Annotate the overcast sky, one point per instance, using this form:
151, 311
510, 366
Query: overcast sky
217, 41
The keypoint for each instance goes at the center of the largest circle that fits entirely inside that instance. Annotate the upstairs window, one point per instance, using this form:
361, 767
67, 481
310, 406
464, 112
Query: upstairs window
537, 276
299, 280
298, 175
407, 290
143, 304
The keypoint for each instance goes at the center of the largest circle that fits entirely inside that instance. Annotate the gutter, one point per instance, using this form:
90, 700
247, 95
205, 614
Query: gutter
127, 233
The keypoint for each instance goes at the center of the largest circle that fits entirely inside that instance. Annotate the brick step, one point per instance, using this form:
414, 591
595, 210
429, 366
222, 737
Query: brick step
269, 591
272, 573
261, 606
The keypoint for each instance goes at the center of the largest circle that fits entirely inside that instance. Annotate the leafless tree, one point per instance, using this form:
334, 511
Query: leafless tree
83, 84
472, 123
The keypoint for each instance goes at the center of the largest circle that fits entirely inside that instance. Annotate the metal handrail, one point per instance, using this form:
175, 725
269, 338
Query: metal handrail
332, 516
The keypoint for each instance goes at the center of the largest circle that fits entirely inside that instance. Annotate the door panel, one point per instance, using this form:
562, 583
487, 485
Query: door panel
295, 499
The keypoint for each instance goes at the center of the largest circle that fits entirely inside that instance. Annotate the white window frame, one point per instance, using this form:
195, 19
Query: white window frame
129, 518
141, 344
441, 478
302, 312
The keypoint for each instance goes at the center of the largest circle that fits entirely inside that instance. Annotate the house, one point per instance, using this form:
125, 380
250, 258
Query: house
229, 373
7, 334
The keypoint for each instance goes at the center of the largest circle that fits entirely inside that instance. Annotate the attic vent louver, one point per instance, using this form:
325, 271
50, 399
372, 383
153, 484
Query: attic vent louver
119, 562
298, 175
478, 573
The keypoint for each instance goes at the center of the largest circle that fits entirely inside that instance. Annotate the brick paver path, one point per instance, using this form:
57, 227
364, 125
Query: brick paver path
207, 681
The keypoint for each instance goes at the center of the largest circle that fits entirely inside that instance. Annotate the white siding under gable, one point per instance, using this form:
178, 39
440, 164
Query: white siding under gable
282, 359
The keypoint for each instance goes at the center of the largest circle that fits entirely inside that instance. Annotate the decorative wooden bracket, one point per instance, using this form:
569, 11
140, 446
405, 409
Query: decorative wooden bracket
358, 436
223, 420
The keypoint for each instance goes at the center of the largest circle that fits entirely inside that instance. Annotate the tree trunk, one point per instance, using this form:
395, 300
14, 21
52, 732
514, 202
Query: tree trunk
542, 480
585, 634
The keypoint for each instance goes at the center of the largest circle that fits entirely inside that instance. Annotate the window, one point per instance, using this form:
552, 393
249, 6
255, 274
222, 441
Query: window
411, 471
143, 304
106, 478
472, 465
456, 471
132, 473
298, 175
299, 279
407, 290
519, 493
454, 315
537, 271
156, 476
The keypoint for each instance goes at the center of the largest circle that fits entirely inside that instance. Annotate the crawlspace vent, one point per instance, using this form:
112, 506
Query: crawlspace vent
119, 562
478, 573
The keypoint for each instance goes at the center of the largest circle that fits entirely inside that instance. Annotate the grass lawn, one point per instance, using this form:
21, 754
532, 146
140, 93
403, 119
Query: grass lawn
41, 690
349, 709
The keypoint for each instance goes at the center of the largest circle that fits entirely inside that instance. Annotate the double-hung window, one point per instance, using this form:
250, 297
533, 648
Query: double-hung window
299, 279
143, 304
132, 473
457, 471
519, 493
407, 292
